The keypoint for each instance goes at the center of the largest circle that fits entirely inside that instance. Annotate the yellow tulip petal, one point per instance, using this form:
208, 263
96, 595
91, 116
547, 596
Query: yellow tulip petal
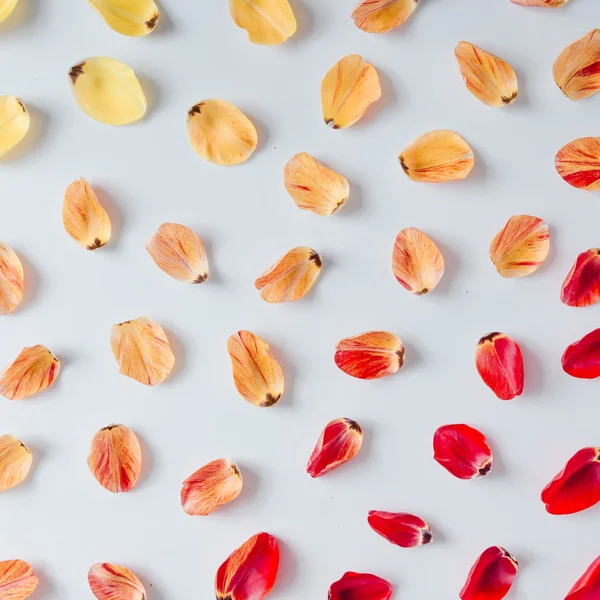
108, 91
347, 90
33, 371
178, 251
142, 350
14, 122
6, 8
379, 16
84, 219
11, 279
267, 22
17, 580
436, 157
128, 17
15, 462
221, 133
313, 186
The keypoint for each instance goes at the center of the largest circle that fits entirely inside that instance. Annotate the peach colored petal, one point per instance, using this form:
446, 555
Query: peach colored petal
17, 580
142, 350
578, 163
113, 582
11, 279
15, 462
379, 16
268, 22
546, 3
577, 68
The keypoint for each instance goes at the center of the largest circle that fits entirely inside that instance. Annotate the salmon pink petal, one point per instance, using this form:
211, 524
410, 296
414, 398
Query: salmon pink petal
491, 576
578, 163
403, 529
360, 586
340, 441
463, 451
249, 573
17, 580
113, 582
547, 3
582, 284
11, 279
582, 359
587, 587
500, 364
577, 486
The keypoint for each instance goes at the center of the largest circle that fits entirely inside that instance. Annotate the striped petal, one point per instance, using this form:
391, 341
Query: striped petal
113, 582
17, 580
11, 279
379, 16
340, 442
15, 462
33, 371
578, 163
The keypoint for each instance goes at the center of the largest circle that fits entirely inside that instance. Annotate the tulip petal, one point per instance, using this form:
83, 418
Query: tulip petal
379, 16
347, 90
581, 286
546, 3
486, 76
115, 458
500, 364
291, 277
402, 529
370, 355
491, 577
6, 8
84, 218
582, 358
142, 350
340, 442
360, 586
11, 279
108, 91
15, 462
577, 68
417, 263
462, 451
128, 17
267, 22
17, 580
14, 119
577, 486
113, 582
33, 371
221, 133
587, 587
578, 163
249, 572
436, 157
257, 375
211, 486
178, 252
313, 186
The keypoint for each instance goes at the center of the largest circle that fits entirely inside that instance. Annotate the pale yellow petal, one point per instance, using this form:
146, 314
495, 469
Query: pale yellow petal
15, 462
128, 17
267, 22
6, 8
14, 123
11, 279
379, 16
33, 371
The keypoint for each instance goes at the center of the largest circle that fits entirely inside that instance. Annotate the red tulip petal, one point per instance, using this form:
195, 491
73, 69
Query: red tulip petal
249, 573
582, 285
403, 529
491, 576
340, 441
577, 486
360, 586
500, 364
582, 359
463, 451
587, 587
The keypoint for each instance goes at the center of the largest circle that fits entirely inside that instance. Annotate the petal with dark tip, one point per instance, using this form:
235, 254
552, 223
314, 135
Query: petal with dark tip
581, 286
491, 577
587, 587
17, 580
578, 163
379, 16
463, 451
33, 371
15, 462
499, 362
113, 582
14, 119
133, 18
360, 586
582, 358
402, 529
340, 441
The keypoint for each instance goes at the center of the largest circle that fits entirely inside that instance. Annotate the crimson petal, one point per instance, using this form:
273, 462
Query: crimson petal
402, 529
491, 576
582, 359
360, 586
463, 451
500, 364
581, 287
587, 587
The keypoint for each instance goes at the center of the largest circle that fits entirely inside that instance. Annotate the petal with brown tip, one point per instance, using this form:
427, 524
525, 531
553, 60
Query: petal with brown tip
436, 157
379, 16
113, 582
142, 350
134, 18
84, 218
11, 279
17, 580
347, 90
115, 458
499, 362
313, 186
14, 121
15, 462
257, 375
577, 68
417, 263
267, 22
221, 133
211, 486
578, 163
291, 277
178, 251
491, 577
33, 371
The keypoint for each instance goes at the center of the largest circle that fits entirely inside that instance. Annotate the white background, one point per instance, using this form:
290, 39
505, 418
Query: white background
61, 521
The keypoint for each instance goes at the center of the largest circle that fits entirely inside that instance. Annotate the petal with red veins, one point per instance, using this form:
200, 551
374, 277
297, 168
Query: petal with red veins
578, 163
587, 587
500, 364
402, 529
582, 359
17, 580
581, 287
491, 577
360, 586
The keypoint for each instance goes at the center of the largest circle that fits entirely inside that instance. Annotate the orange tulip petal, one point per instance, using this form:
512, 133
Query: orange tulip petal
256, 374
578, 163
486, 76
417, 263
577, 68
547, 3
313, 186
370, 355
142, 350
379, 16
178, 252
115, 458
84, 218
436, 157
33, 371
11, 279
17, 580
211, 486
521, 247
347, 90
291, 277
113, 582
15, 462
